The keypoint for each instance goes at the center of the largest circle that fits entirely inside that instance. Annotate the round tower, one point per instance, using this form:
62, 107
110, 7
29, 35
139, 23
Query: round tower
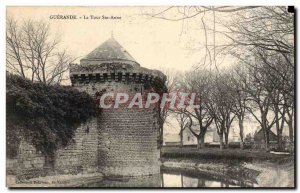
127, 137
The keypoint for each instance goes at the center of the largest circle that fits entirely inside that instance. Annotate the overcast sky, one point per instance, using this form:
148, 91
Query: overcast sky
154, 43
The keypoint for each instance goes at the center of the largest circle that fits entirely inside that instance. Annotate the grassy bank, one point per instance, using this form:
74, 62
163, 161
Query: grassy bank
247, 155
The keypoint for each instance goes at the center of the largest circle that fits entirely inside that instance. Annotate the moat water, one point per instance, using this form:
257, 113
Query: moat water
172, 178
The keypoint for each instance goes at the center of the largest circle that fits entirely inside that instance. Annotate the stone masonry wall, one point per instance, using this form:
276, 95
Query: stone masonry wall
29, 162
128, 142
80, 156
127, 137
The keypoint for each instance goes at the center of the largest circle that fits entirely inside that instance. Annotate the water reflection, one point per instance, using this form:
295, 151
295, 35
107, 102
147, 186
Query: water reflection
172, 178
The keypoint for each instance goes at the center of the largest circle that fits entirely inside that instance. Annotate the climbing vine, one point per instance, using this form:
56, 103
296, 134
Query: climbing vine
45, 116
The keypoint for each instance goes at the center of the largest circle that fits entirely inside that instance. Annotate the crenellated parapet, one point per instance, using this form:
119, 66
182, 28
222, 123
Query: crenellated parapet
118, 72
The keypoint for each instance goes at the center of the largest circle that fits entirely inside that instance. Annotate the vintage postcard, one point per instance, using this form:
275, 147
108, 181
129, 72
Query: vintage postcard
161, 97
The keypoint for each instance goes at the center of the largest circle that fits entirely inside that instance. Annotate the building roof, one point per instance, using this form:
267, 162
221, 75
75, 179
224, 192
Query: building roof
110, 50
259, 135
109, 59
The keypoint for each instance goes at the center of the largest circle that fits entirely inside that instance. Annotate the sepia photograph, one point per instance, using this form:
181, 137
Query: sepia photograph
150, 97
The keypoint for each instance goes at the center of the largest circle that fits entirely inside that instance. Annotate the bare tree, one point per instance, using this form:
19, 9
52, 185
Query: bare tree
183, 121
280, 105
33, 52
289, 119
165, 112
14, 58
268, 28
260, 96
207, 17
240, 98
266, 36
198, 82
222, 102
175, 13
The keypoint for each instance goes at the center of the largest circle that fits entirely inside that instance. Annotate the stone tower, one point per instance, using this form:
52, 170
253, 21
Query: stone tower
127, 138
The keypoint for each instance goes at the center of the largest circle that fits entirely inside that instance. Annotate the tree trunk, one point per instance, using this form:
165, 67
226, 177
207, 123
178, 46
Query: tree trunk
161, 137
160, 140
279, 131
265, 131
291, 135
279, 139
267, 139
291, 131
241, 126
221, 141
181, 138
241, 145
198, 143
201, 142
181, 180
201, 182
162, 180
226, 141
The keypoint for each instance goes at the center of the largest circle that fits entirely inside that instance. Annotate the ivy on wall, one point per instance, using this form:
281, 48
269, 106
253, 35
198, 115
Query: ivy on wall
45, 116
